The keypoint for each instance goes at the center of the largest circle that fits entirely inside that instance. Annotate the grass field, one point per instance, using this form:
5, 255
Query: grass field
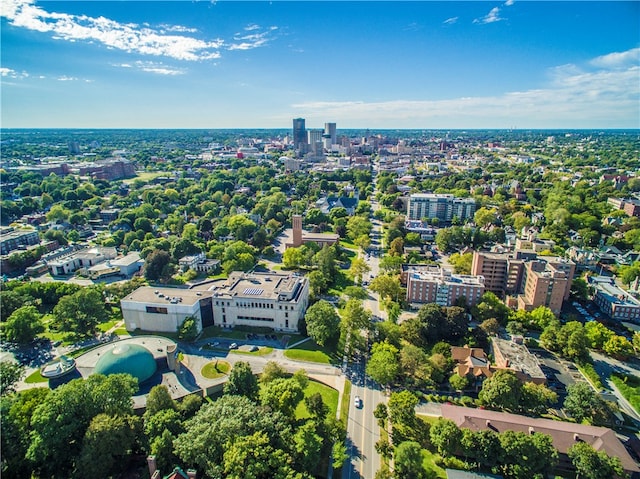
145, 176
429, 463
329, 396
629, 386
215, 369
344, 404
104, 327
309, 351
35, 377
262, 351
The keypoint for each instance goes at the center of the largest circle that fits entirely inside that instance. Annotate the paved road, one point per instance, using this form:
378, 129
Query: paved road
604, 366
362, 430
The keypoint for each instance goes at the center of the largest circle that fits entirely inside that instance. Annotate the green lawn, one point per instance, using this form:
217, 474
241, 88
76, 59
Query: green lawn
629, 386
104, 327
262, 351
344, 404
429, 463
121, 332
329, 396
309, 351
35, 377
215, 369
345, 243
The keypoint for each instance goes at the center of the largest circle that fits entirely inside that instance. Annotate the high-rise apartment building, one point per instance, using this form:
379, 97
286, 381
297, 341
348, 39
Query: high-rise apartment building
544, 285
533, 281
441, 206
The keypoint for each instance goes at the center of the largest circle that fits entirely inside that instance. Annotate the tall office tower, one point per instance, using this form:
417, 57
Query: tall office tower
314, 136
330, 131
299, 133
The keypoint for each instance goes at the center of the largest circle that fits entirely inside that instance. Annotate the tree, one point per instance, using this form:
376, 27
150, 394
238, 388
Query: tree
218, 425
106, 445
318, 283
188, 330
242, 381
387, 286
10, 374
358, 226
253, 457
316, 407
381, 413
282, 395
502, 390
10, 301
307, 445
618, 347
524, 456
271, 371
490, 306
157, 266
391, 264
158, 400
402, 408
354, 320
322, 322
597, 334
293, 258
542, 317
582, 403
490, 326
408, 461
483, 446
359, 268
16, 411
536, 398
66, 414
396, 248
445, 436
459, 383
461, 262
23, 325
416, 366
383, 366
81, 312
592, 464
484, 217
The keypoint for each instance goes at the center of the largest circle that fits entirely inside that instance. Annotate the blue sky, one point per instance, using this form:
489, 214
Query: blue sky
363, 64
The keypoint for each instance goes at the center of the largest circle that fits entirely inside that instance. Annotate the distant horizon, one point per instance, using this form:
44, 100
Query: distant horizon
385, 65
314, 128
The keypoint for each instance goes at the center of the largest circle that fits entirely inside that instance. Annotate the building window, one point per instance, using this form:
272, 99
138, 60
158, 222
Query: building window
286, 323
286, 315
157, 310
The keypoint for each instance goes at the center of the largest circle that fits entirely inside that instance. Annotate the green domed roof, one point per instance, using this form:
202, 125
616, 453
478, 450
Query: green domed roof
128, 358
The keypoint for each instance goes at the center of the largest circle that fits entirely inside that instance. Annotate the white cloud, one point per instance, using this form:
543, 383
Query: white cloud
618, 59
508, 3
491, 17
10, 73
251, 40
158, 68
127, 37
575, 96
67, 78
450, 21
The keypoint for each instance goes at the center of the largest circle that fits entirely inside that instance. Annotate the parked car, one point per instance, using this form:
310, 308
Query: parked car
233, 346
357, 402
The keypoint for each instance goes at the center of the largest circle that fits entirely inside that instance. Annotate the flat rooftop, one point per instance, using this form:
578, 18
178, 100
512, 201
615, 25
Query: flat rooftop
519, 357
147, 294
616, 295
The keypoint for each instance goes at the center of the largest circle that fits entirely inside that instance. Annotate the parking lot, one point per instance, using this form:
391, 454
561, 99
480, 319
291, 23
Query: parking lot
560, 373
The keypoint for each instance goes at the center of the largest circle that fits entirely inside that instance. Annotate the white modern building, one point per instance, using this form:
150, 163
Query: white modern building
84, 258
444, 207
273, 300
165, 309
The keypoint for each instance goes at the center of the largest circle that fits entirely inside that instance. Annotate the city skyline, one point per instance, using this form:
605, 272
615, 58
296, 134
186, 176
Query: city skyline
411, 65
